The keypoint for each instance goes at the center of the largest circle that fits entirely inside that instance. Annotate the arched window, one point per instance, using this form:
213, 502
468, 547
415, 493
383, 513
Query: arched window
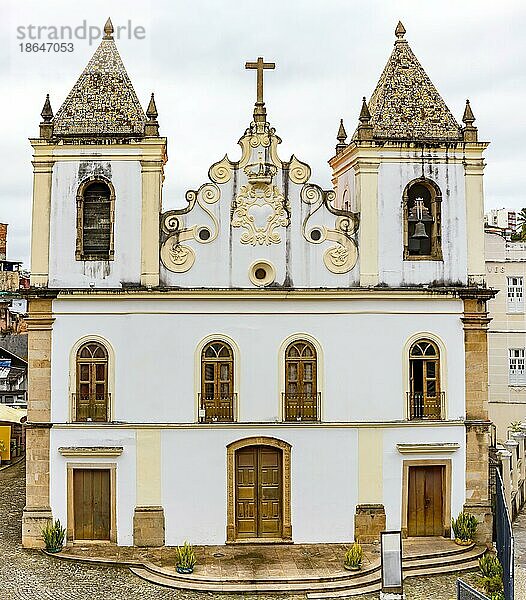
301, 393
422, 227
92, 400
425, 397
95, 210
217, 396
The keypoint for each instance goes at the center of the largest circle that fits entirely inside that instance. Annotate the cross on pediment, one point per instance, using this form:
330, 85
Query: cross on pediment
260, 65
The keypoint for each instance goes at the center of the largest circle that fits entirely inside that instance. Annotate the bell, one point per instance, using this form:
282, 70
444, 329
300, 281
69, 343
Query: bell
420, 231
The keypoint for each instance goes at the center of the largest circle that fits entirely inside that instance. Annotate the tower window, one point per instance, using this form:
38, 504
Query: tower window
95, 216
422, 227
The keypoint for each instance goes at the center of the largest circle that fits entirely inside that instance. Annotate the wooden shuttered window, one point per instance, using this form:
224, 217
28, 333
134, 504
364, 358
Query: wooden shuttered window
95, 216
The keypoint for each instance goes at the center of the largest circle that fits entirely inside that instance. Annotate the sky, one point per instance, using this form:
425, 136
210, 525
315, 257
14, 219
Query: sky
328, 54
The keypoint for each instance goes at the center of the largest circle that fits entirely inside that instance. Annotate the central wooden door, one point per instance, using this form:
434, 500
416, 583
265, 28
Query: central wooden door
425, 501
91, 504
259, 496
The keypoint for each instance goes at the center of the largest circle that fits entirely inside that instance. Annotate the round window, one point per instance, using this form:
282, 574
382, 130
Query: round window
204, 234
315, 235
262, 273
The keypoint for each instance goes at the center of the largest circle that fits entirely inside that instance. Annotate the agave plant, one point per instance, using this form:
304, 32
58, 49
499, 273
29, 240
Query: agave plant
353, 557
185, 558
464, 527
54, 535
490, 565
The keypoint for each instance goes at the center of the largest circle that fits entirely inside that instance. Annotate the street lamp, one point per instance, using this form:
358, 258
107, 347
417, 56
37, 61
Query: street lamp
391, 553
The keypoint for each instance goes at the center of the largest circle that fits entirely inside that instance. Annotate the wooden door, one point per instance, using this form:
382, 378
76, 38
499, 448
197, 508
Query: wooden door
91, 504
258, 492
425, 501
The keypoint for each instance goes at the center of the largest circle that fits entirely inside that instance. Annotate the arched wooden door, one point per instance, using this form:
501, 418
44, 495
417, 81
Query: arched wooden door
259, 492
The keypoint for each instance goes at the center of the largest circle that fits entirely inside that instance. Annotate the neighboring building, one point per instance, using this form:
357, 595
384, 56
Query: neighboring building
503, 218
506, 271
13, 378
12, 307
12, 432
269, 366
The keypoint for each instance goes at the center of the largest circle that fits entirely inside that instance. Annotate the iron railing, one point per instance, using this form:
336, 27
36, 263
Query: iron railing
504, 539
301, 407
421, 408
91, 407
466, 592
217, 409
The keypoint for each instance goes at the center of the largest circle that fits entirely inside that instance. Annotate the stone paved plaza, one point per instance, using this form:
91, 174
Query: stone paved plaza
30, 575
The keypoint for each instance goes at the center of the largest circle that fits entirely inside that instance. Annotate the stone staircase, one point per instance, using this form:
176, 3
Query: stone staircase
338, 585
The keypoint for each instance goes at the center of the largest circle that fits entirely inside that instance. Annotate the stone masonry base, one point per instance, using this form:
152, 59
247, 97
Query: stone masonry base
369, 521
33, 521
148, 526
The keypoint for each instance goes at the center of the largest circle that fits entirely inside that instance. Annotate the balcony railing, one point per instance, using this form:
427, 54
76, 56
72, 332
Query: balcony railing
220, 409
94, 407
421, 408
301, 407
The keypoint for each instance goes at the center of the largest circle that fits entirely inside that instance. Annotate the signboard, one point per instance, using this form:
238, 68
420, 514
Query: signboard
5, 442
391, 551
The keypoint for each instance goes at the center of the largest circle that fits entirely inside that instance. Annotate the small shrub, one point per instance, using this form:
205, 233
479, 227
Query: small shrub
492, 584
497, 596
489, 565
54, 535
464, 526
354, 556
185, 556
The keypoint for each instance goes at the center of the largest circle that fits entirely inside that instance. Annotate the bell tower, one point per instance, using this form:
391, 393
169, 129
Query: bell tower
98, 172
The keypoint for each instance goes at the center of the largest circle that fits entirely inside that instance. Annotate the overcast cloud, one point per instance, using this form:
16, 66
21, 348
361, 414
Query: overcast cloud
328, 54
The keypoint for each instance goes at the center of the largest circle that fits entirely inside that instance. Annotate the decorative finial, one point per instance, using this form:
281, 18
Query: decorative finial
47, 112
108, 30
46, 125
400, 30
365, 129
468, 118
469, 132
365, 115
151, 127
151, 111
260, 113
341, 137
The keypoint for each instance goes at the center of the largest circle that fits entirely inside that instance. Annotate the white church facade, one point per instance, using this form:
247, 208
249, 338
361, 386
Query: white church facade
274, 362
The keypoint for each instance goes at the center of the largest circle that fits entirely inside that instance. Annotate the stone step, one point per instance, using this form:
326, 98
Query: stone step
376, 586
351, 584
456, 549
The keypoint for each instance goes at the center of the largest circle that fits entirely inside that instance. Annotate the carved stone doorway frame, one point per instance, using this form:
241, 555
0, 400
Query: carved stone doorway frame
231, 485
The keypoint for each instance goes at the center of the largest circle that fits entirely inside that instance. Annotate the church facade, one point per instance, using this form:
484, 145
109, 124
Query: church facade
275, 361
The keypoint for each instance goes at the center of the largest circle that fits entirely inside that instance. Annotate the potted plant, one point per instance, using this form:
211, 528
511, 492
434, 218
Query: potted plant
464, 528
353, 558
54, 534
185, 558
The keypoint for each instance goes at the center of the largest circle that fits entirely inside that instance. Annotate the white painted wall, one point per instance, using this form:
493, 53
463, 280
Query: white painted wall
64, 270
324, 472
155, 342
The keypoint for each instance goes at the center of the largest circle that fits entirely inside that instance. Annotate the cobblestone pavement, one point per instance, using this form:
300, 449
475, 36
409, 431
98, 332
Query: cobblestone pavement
31, 575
